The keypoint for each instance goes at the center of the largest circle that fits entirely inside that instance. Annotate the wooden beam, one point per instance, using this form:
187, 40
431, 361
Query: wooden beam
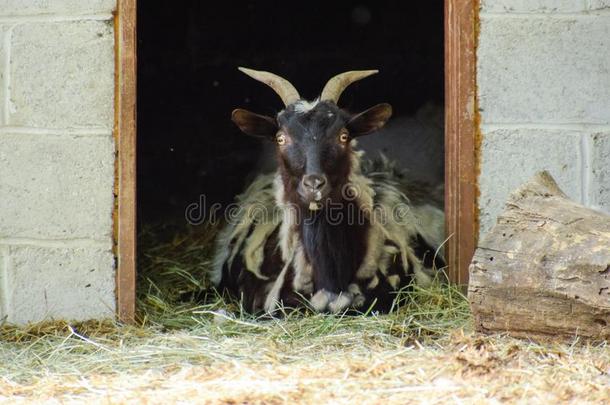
461, 139
125, 138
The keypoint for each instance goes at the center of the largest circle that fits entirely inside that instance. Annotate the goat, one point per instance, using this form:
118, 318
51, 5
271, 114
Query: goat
348, 232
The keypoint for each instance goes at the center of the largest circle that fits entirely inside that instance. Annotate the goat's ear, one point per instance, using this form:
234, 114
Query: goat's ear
253, 124
370, 120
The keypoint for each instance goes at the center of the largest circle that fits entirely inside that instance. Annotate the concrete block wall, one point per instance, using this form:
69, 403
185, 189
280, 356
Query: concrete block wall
56, 159
543, 77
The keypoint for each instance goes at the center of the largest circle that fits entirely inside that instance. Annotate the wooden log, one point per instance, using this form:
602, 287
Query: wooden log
544, 268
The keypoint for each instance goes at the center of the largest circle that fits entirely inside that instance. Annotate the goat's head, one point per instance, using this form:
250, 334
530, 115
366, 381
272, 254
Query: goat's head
313, 138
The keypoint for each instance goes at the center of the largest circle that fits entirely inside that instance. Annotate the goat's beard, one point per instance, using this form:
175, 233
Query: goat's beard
314, 206
313, 200
331, 198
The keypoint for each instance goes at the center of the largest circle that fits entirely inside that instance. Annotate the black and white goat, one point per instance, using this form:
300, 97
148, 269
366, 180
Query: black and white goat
349, 233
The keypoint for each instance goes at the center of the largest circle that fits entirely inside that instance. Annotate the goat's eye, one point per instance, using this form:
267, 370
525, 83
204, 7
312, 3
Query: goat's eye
280, 138
344, 137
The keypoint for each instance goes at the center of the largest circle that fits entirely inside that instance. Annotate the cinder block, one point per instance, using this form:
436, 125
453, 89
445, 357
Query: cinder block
56, 187
598, 4
3, 71
532, 6
64, 7
509, 158
62, 75
4, 293
60, 283
600, 171
544, 70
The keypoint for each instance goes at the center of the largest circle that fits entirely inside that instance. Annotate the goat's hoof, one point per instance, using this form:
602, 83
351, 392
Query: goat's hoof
326, 301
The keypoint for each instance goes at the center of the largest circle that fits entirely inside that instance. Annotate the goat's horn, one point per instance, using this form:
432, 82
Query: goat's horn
335, 86
282, 87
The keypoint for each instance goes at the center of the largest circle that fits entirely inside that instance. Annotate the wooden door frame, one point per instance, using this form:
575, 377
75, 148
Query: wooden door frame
125, 173
462, 138
461, 145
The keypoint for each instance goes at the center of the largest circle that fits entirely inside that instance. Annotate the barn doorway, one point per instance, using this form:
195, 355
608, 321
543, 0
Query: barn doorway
188, 84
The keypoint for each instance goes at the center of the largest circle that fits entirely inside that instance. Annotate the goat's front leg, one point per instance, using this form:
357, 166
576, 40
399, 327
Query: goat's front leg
327, 301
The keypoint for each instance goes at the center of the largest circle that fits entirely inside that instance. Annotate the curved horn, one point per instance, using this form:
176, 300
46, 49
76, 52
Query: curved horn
282, 87
335, 86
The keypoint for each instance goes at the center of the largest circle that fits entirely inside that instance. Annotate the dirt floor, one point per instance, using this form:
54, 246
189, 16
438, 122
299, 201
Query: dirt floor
189, 347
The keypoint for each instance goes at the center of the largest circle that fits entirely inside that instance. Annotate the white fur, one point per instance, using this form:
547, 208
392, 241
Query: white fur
325, 300
302, 282
288, 237
343, 300
355, 290
256, 206
373, 283
304, 106
394, 280
320, 300
431, 225
273, 297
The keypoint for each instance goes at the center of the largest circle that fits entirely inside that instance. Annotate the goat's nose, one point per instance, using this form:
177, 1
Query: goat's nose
314, 182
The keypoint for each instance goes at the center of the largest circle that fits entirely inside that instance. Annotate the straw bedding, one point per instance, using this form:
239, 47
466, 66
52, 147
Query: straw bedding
194, 346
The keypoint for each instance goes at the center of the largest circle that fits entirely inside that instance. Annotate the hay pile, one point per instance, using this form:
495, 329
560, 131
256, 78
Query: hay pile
198, 347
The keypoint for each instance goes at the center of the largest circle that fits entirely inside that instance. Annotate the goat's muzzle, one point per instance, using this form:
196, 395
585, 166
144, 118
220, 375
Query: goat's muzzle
313, 190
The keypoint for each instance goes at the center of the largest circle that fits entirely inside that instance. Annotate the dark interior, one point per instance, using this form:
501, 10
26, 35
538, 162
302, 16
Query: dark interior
188, 82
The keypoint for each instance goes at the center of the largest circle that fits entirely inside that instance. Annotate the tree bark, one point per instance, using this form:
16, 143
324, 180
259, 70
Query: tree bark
544, 268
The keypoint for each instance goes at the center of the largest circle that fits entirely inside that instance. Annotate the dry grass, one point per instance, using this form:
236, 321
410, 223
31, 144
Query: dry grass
203, 349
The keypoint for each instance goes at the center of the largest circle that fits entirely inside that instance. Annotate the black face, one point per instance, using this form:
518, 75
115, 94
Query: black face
313, 149
313, 145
